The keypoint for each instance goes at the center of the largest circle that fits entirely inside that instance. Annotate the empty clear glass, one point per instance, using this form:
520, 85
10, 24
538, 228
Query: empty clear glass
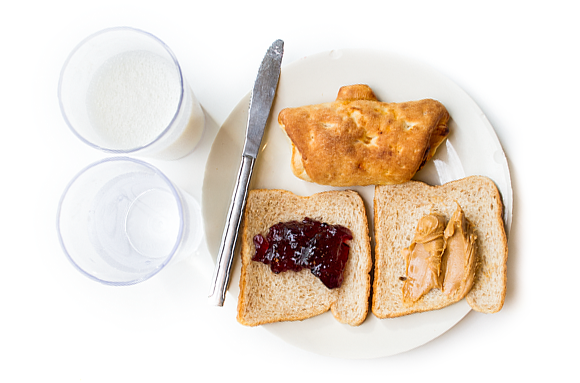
121, 220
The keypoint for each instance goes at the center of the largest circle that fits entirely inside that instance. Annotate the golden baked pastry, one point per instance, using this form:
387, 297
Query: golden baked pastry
357, 140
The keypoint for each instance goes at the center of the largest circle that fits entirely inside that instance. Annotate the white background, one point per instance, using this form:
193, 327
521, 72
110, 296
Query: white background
518, 60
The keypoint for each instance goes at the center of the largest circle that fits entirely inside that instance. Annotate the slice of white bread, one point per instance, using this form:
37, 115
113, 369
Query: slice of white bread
266, 297
397, 210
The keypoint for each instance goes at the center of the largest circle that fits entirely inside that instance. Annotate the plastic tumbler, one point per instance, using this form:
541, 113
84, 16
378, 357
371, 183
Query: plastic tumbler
121, 220
122, 90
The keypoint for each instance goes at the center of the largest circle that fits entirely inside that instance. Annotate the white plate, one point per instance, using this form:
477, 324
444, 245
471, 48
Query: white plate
471, 148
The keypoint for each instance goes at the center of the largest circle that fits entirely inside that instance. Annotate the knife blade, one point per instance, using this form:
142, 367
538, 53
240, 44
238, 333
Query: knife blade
261, 101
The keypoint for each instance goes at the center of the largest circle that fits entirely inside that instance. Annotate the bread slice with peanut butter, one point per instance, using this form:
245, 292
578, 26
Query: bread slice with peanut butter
473, 210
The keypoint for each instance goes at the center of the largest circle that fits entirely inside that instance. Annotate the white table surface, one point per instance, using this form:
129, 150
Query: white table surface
518, 61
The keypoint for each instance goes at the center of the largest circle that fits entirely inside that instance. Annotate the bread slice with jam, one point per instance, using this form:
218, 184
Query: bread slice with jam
267, 297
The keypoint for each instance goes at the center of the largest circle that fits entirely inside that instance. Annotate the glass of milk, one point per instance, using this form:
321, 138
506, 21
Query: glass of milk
122, 91
121, 220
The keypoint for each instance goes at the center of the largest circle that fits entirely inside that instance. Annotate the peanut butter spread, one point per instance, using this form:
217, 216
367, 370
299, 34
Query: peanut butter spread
458, 261
423, 258
440, 256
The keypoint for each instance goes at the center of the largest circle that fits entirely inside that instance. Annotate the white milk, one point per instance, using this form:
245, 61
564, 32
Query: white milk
134, 96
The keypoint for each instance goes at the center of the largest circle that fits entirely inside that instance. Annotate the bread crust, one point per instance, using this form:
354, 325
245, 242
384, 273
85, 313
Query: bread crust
357, 140
266, 297
397, 211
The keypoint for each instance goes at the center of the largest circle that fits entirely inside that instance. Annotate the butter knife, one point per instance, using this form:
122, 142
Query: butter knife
259, 110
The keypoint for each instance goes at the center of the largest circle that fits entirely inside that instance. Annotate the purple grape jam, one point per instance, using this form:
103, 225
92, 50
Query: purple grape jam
309, 244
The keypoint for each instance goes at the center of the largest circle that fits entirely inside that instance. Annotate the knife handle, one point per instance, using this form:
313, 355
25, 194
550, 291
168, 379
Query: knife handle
225, 257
